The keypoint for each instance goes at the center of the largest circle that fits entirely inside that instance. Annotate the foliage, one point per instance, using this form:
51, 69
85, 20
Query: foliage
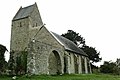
11, 63
65, 77
92, 53
21, 63
3, 63
18, 64
95, 69
109, 67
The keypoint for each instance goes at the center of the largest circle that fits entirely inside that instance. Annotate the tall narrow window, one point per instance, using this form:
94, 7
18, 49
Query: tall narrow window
36, 24
20, 24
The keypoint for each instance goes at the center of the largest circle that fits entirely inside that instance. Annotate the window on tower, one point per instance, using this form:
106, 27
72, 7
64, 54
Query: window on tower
36, 24
20, 24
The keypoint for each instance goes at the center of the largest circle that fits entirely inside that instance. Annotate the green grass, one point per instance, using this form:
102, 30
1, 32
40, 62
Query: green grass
66, 77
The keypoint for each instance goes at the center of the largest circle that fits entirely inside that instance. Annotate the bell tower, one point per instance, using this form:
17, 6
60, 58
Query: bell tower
25, 24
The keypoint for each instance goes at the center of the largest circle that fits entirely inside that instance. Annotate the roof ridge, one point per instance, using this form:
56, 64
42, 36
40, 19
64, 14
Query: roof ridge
24, 12
28, 6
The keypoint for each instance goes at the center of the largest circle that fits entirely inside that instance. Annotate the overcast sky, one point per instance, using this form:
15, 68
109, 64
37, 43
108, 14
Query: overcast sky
98, 21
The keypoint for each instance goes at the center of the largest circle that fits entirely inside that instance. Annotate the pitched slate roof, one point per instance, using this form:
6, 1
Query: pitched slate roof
68, 45
24, 12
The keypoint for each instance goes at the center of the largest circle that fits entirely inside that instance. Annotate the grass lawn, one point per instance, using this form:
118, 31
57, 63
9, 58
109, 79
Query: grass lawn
66, 77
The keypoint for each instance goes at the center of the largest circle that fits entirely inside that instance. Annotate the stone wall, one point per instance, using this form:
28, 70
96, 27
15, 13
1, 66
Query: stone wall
76, 63
45, 36
35, 18
69, 62
39, 56
19, 35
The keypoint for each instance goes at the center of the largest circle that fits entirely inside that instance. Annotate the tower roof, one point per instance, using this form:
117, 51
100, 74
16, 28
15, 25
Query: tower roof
24, 12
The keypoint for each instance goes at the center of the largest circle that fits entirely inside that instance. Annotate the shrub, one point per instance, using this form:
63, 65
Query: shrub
109, 67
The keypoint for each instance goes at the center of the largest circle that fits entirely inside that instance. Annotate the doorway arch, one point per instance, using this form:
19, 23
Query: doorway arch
54, 62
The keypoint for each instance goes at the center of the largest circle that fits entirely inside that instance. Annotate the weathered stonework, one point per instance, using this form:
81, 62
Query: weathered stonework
46, 53
42, 53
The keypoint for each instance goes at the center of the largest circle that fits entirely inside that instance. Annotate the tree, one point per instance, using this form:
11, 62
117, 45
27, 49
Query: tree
109, 67
18, 64
80, 42
11, 64
75, 37
21, 63
3, 49
92, 53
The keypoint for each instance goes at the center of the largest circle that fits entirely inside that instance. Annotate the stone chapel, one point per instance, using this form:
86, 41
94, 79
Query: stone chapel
48, 52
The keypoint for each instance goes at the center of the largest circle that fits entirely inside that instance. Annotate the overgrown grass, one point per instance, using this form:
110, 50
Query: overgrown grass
66, 77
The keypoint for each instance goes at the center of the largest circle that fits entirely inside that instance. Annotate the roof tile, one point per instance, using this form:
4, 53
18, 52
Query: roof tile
24, 12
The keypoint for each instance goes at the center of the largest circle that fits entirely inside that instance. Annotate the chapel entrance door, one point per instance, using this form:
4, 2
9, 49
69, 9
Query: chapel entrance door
54, 63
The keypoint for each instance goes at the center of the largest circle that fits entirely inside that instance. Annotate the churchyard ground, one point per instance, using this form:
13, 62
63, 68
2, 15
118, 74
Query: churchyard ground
65, 77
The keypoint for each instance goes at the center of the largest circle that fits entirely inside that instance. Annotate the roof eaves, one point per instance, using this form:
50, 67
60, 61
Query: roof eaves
76, 52
66, 45
20, 18
17, 13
